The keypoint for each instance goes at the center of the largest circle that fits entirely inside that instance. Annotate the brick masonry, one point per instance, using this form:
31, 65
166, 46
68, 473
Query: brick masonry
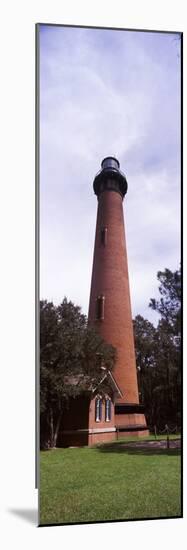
110, 279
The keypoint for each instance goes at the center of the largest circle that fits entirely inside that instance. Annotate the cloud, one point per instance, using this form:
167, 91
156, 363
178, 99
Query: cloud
108, 92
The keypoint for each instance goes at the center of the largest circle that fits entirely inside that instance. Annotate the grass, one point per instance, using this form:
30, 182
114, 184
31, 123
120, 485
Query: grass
109, 482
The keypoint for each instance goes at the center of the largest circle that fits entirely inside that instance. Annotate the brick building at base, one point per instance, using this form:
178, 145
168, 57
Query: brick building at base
93, 418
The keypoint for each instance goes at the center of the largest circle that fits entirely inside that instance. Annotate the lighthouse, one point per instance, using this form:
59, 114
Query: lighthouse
98, 417
110, 306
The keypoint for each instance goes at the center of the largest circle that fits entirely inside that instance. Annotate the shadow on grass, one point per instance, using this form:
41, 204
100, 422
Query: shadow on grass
138, 449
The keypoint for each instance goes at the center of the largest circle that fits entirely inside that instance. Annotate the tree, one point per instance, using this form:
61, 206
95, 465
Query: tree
158, 354
169, 340
169, 305
145, 335
73, 359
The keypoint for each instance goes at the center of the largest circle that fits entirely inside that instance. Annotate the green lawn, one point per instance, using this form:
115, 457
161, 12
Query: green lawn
109, 483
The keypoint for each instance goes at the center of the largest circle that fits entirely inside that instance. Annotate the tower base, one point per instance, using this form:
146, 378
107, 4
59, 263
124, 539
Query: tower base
80, 427
130, 420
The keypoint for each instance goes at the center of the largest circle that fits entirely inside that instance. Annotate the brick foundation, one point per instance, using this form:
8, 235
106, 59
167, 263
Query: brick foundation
101, 438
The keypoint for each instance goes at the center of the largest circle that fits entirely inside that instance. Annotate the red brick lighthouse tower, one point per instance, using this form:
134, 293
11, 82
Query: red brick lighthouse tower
110, 308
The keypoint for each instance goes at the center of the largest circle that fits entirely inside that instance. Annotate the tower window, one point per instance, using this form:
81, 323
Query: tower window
107, 409
98, 409
104, 236
100, 304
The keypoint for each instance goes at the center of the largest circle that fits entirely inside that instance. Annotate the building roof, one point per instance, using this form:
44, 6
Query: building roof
85, 384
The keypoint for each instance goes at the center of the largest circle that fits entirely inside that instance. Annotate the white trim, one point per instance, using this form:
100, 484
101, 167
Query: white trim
102, 379
101, 430
115, 383
89, 430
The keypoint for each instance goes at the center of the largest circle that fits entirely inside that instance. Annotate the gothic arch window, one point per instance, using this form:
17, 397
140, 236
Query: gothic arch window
108, 409
98, 409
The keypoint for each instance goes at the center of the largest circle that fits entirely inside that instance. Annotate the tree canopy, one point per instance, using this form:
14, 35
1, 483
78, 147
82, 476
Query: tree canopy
73, 359
158, 354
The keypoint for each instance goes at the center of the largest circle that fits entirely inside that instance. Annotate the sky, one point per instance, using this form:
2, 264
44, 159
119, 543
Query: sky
108, 92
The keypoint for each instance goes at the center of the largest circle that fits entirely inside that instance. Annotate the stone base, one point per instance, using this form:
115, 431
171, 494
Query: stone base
130, 420
97, 438
82, 438
130, 433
